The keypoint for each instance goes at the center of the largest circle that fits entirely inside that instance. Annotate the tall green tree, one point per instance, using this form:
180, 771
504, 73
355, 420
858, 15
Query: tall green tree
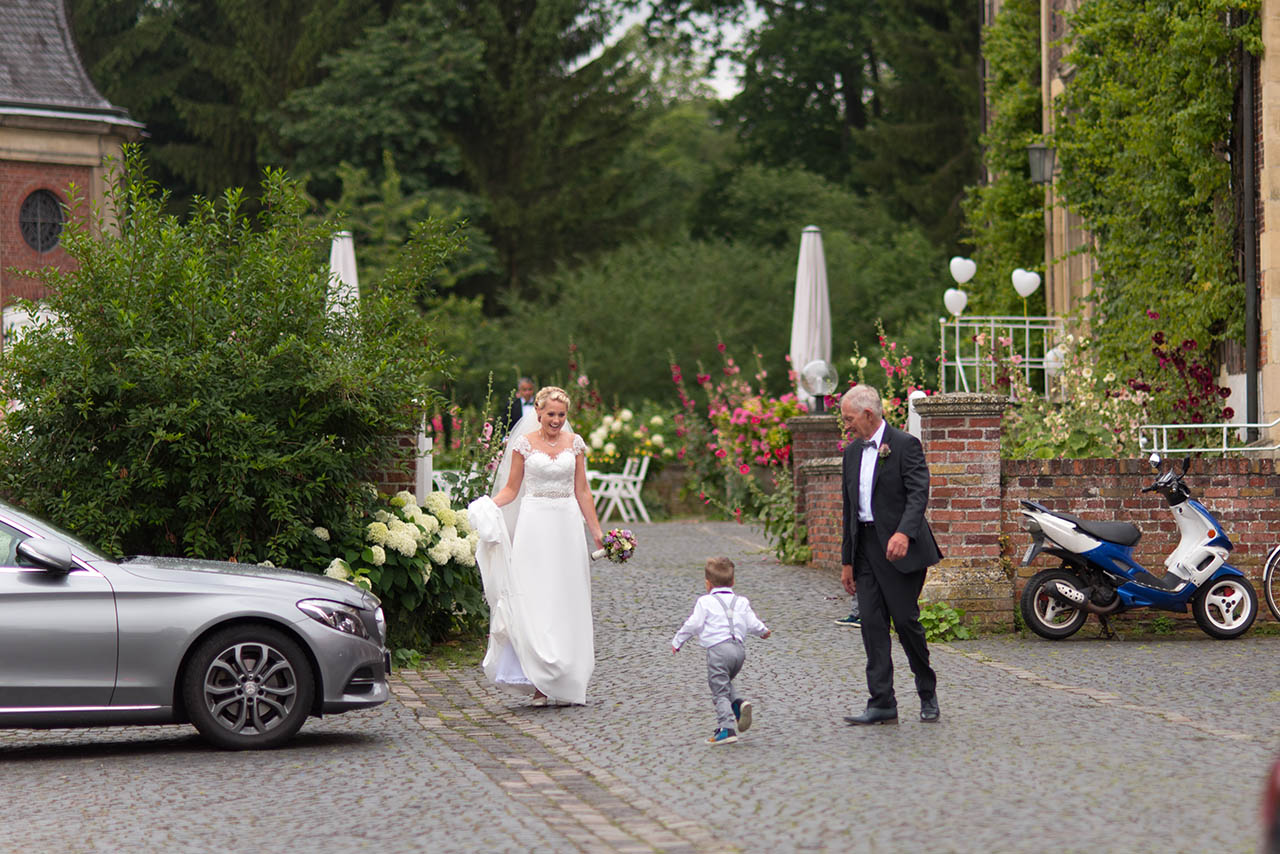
207, 76
517, 102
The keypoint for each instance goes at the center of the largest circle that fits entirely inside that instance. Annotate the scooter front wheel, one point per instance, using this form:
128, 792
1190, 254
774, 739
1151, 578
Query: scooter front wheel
1043, 613
1225, 608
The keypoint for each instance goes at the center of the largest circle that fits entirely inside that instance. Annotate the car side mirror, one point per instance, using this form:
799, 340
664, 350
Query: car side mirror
51, 555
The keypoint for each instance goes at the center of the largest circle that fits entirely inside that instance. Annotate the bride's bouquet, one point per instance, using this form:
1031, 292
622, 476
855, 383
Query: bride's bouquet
619, 546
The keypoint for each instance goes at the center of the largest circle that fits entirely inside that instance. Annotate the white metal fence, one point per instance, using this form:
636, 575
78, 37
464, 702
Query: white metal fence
966, 347
1221, 438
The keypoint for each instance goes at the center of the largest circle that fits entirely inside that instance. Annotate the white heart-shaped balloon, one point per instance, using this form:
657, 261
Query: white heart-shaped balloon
955, 300
1025, 282
962, 270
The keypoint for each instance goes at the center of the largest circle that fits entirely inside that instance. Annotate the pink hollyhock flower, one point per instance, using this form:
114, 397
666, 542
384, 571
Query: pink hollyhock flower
720, 346
744, 469
703, 379
720, 452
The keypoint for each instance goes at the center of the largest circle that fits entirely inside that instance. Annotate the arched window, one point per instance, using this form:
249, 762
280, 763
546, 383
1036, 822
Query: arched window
41, 220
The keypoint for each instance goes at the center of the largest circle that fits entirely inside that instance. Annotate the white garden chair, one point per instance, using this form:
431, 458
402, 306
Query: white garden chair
621, 491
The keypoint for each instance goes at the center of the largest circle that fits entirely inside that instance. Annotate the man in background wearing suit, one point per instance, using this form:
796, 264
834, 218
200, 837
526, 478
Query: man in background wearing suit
887, 548
522, 403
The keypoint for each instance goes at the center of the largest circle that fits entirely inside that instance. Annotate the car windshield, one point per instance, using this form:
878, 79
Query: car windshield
41, 525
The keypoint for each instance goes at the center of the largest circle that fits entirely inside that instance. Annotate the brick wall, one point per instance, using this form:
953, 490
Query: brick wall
18, 180
974, 495
961, 438
815, 461
1244, 495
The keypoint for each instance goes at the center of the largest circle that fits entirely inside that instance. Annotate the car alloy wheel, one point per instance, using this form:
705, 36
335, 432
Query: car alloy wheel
248, 687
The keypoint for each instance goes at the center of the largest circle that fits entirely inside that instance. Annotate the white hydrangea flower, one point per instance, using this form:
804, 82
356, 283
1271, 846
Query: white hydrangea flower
430, 524
615, 427
412, 512
467, 559
667, 452
460, 548
406, 498
611, 448
448, 517
379, 555
383, 516
658, 440
403, 542
462, 522
338, 569
440, 553
267, 563
437, 502
626, 415
607, 421
376, 532
637, 434
597, 442
322, 534
656, 421
449, 532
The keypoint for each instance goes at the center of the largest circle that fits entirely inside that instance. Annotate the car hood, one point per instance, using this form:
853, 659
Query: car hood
178, 569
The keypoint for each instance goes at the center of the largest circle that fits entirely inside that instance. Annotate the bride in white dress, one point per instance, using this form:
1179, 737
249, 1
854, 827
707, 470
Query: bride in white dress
541, 637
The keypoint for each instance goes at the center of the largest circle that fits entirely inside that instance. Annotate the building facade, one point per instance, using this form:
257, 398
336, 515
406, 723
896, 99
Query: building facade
58, 135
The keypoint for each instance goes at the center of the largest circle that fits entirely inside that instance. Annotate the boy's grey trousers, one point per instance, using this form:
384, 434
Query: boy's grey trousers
724, 660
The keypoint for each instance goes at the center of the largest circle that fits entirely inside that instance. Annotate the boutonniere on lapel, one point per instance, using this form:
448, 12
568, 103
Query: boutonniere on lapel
883, 453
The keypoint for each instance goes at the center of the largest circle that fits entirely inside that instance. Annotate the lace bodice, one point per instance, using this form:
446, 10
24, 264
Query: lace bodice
547, 476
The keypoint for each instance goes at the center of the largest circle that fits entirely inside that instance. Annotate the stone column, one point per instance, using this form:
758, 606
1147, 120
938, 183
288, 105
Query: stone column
961, 437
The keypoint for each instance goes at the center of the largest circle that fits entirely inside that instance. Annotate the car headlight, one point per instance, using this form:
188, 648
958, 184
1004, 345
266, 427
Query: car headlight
335, 615
381, 620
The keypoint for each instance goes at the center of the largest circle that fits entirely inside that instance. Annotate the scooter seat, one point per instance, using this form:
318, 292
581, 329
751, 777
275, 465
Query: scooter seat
1121, 533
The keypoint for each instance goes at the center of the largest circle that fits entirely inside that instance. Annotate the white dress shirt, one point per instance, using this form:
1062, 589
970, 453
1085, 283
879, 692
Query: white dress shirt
710, 624
867, 473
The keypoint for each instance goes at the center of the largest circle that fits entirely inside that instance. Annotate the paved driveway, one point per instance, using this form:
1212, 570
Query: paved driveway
1154, 744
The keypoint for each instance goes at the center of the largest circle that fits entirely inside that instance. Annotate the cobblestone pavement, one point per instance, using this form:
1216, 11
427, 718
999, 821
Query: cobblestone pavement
1148, 744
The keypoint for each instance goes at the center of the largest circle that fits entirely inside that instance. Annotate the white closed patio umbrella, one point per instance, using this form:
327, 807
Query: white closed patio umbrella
344, 284
811, 319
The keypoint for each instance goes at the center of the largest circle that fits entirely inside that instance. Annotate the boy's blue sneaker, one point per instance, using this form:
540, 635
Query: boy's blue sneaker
723, 736
742, 711
853, 621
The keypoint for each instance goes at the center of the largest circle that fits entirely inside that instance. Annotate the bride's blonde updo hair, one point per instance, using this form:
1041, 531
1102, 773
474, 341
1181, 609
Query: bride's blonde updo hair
549, 393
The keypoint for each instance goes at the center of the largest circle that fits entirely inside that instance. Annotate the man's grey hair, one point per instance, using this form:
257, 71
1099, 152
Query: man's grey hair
864, 397
524, 380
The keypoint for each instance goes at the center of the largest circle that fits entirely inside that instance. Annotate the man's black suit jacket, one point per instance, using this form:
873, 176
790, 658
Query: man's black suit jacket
899, 495
515, 411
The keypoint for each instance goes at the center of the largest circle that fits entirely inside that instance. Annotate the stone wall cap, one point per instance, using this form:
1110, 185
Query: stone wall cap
822, 464
814, 421
961, 403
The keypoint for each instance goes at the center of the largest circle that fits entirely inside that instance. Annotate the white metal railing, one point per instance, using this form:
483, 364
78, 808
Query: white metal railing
967, 365
1155, 437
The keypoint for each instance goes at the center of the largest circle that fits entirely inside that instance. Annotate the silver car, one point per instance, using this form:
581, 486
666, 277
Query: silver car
243, 652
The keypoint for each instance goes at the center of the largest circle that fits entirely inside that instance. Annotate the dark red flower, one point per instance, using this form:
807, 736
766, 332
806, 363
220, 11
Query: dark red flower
1224, 392
1158, 337
1189, 344
1228, 413
1154, 315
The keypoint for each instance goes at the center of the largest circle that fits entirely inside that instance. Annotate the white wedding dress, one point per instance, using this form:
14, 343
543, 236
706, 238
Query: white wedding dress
540, 633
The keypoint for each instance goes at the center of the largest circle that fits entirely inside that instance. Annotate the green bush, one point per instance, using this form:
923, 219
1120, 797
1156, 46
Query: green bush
190, 393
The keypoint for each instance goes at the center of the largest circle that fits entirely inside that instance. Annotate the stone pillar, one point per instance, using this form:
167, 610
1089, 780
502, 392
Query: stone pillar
815, 466
961, 437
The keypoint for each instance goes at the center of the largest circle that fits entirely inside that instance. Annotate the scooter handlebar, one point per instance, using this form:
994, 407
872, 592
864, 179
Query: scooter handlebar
1148, 489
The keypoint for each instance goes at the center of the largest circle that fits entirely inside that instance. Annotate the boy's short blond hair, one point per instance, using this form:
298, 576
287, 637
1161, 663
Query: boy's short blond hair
720, 571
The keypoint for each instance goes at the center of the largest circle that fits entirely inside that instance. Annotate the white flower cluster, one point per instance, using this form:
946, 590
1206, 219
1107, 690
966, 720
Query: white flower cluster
322, 534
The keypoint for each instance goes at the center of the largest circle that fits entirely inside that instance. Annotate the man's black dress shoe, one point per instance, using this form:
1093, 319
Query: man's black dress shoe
873, 716
929, 711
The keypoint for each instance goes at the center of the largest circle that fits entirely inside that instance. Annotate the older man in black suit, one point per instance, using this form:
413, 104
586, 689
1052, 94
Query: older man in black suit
887, 548
522, 404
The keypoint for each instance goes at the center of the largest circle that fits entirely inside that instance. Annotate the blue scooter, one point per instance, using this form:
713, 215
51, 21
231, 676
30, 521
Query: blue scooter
1098, 574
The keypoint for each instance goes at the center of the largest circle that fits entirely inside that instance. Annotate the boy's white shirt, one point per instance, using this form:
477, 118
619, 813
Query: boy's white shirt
709, 623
